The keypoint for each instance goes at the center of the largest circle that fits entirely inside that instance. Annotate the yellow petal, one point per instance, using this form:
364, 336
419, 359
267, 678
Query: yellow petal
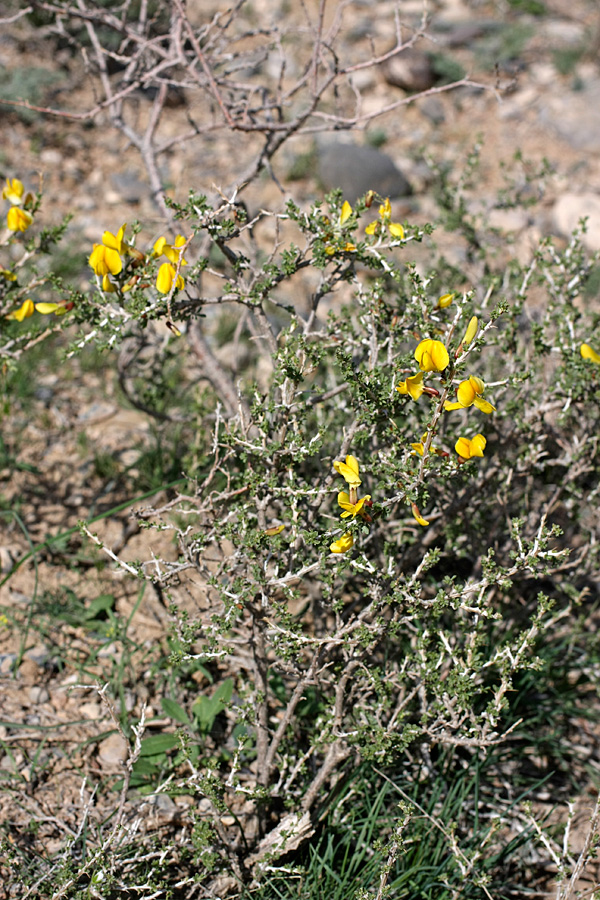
466, 393
114, 241
25, 310
344, 501
432, 356
107, 285
484, 406
449, 406
397, 230
18, 219
445, 300
413, 385
588, 353
13, 191
345, 213
343, 543
417, 515
6, 273
103, 260
276, 529
46, 308
158, 246
385, 210
348, 470
477, 384
463, 447
418, 448
478, 445
373, 228
472, 329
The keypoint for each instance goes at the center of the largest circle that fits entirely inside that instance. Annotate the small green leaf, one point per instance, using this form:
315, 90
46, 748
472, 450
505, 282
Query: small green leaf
158, 743
175, 711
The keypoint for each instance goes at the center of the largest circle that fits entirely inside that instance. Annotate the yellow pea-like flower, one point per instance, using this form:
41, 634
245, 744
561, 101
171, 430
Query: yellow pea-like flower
588, 353
105, 260
345, 213
351, 509
26, 309
13, 191
413, 386
166, 277
343, 543
470, 393
432, 356
349, 470
18, 219
468, 448
472, 329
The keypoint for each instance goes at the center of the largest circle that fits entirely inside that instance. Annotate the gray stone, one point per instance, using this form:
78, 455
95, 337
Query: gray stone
8, 556
38, 694
433, 109
113, 750
575, 116
358, 169
128, 186
411, 69
570, 208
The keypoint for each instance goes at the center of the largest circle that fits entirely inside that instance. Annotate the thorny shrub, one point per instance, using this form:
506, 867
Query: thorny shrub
390, 509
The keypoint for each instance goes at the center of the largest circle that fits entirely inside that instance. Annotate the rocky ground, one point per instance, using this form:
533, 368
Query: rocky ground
547, 106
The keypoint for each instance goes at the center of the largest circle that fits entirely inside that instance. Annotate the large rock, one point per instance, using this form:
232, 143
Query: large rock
357, 169
575, 115
570, 208
410, 69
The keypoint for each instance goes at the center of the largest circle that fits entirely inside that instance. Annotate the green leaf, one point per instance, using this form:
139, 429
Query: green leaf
158, 743
206, 709
175, 711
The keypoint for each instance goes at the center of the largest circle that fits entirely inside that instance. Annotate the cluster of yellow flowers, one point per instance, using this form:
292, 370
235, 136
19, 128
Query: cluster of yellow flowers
18, 219
349, 501
432, 356
106, 261
378, 228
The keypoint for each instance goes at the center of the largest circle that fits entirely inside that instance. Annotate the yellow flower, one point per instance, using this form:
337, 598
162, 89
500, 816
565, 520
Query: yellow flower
107, 285
6, 273
351, 509
25, 310
104, 260
166, 277
385, 215
470, 393
444, 301
115, 241
349, 471
13, 191
588, 353
171, 251
472, 329
47, 308
28, 307
343, 543
419, 447
432, 356
412, 385
345, 213
469, 448
275, 529
417, 515
18, 219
